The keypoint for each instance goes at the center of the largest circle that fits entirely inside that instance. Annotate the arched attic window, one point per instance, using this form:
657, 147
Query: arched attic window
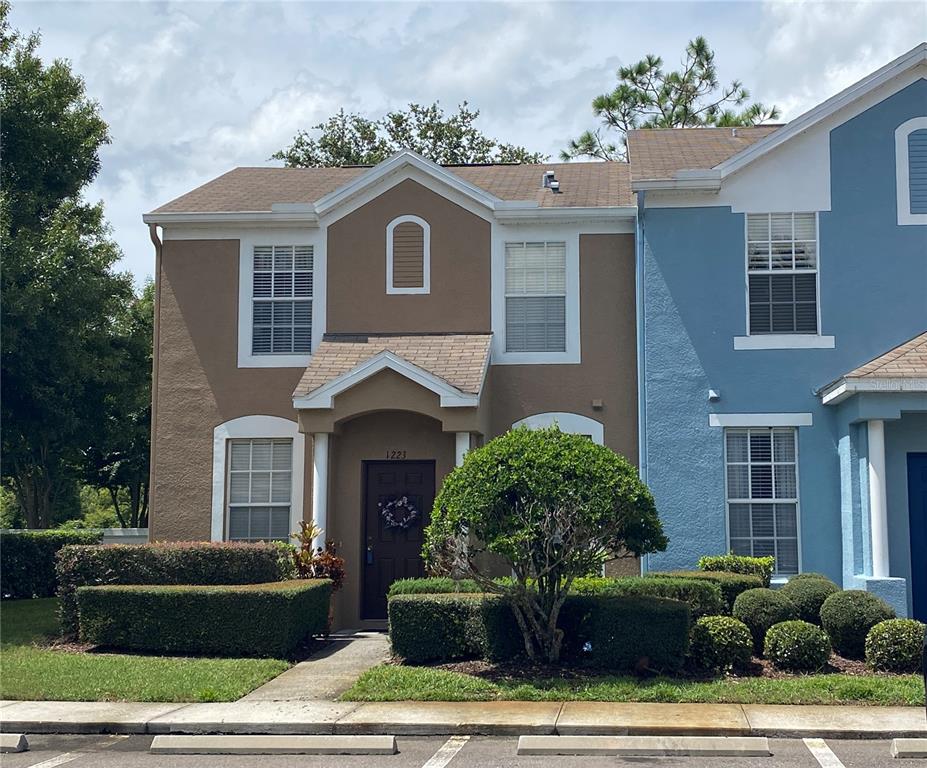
408, 255
911, 171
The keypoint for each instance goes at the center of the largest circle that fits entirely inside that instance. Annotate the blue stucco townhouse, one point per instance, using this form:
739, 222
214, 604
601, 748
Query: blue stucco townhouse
782, 300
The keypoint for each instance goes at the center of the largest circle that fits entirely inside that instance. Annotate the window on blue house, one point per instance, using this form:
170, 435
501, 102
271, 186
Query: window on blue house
762, 493
782, 273
917, 170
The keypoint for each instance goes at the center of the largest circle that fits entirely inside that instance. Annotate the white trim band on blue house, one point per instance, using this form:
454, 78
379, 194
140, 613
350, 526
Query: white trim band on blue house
760, 420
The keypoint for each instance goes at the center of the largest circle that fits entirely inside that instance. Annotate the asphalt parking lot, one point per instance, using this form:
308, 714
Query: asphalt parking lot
47, 751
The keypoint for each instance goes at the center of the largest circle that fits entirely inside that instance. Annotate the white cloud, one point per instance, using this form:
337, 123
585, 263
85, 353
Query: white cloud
192, 89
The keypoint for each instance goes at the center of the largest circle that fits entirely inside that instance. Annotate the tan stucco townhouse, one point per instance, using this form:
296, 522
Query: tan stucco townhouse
328, 340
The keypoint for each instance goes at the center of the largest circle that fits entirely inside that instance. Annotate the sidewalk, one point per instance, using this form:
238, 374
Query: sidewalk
451, 718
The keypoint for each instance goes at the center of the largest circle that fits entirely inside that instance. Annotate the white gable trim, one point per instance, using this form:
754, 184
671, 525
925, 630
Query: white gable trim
402, 162
323, 397
843, 388
903, 169
573, 423
824, 110
250, 427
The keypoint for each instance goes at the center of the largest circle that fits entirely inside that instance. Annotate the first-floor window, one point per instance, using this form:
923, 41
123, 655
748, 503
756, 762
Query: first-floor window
260, 484
762, 493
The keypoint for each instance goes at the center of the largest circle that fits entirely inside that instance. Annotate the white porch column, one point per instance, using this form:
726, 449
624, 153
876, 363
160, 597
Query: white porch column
462, 446
320, 485
878, 508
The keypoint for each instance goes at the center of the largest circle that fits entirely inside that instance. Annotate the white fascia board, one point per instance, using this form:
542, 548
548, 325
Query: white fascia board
700, 181
323, 397
843, 388
507, 214
250, 218
394, 164
822, 111
760, 420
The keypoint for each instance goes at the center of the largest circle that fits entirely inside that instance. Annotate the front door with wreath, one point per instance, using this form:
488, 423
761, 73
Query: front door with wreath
397, 506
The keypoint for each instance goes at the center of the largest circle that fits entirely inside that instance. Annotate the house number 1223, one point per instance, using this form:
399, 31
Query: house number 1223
395, 454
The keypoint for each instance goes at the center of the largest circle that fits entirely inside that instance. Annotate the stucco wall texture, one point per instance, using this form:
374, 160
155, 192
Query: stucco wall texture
873, 284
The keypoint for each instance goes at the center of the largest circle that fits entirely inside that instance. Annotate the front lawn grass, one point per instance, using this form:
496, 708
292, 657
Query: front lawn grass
391, 682
32, 672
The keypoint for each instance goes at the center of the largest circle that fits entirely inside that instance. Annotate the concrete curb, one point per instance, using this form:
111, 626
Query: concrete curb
646, 746
13, 742
273, 745
491, 718
909, 748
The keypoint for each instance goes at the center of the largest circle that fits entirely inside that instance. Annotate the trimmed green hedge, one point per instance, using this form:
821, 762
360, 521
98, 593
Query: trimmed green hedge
223, 620
808, 595
704, 598
436, 627
731, 584
27, 565
720, 642
435, 585
164, 564
605, 631
754, 566
797, 646
896, 645
759, 609
847, 618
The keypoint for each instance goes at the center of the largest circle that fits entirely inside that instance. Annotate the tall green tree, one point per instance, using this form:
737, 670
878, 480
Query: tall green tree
649, 96
62, 299
351, 139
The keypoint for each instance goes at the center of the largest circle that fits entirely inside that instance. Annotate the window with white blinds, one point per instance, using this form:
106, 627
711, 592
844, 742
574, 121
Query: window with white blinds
535, 297
782, 272
282, 299
762, 493
260, 486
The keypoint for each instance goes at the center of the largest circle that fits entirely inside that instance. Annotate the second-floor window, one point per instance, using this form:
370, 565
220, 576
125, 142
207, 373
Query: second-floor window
281, 311
782, 273
535, 297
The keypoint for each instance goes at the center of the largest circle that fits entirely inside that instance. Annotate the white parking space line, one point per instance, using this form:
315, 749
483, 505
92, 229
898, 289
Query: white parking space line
67, 757
447, 752
823, 754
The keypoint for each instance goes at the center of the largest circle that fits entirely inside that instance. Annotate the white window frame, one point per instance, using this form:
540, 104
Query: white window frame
779, 577
426, 255
230, 505
515, 233
256, 428
574, 423
902, 171
289, 236
782, 340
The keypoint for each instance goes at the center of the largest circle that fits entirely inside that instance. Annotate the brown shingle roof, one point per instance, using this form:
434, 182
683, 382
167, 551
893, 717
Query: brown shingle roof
660, 153
257, 189
908, 360
458, 359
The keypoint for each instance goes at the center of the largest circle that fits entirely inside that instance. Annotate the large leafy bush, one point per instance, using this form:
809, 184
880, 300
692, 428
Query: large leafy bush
797, 646
551, 505
173, 563
808, 595
730, 584
27, 560
847, 618
225, 620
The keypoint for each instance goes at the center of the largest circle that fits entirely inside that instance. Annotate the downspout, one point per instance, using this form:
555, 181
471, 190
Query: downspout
641, 357
155, 354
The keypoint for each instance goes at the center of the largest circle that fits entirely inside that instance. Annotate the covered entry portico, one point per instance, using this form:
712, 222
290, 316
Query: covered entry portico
881, 416
389, 416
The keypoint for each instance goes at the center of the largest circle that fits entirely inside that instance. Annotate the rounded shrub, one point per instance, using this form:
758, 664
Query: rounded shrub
847, 618
896, 645
797, 646
808, 595
811, 575
759, 609
720, 642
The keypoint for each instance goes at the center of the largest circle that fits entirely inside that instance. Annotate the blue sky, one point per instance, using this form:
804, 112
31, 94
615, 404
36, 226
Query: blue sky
193, 89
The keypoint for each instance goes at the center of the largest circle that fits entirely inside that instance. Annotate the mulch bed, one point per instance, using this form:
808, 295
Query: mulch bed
528, 672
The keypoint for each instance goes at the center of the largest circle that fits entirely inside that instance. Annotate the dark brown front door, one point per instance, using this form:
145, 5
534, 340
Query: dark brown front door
392, 551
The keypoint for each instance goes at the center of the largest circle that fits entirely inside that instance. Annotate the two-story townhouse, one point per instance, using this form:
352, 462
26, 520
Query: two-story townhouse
330, 340
782, 318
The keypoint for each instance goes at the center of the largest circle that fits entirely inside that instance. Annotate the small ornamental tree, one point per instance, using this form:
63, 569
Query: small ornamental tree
552, 506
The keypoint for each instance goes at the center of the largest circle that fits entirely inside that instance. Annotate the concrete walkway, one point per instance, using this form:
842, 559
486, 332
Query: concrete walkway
450, 718
330, 672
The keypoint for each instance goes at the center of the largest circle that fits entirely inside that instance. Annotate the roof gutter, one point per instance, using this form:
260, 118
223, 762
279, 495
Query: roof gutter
708, 180
250, 218
844, 388
521, 212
